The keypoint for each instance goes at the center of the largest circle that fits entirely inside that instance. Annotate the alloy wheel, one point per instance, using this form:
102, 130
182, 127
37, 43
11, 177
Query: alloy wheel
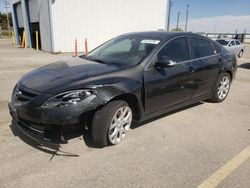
120, 124
223, 87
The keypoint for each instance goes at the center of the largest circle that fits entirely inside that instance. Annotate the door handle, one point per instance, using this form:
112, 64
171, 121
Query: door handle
190, 69
220, 60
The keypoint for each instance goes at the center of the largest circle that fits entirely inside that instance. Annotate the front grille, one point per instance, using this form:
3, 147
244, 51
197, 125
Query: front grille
22, 95
39, 128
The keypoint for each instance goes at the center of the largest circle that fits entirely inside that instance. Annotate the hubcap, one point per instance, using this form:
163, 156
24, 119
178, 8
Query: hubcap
120, 124
223, 87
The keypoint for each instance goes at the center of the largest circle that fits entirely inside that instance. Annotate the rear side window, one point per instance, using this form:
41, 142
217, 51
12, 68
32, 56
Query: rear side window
200, 48
176, 50
237, 42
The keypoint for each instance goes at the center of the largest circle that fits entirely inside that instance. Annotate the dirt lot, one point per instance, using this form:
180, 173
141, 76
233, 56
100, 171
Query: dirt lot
206, 144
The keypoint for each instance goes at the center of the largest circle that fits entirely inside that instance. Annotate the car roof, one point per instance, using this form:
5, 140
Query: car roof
163, 34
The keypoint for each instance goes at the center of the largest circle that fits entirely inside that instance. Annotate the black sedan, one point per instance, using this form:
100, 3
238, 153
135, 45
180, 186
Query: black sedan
133, 77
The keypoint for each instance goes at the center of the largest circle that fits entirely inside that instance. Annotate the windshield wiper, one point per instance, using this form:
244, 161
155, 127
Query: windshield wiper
97, 60
101, 61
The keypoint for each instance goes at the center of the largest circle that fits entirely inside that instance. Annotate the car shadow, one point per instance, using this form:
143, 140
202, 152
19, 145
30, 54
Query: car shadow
53, 148
245, 66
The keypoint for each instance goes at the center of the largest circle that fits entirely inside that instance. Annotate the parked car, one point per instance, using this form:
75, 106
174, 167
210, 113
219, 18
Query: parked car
133, 77
233, 45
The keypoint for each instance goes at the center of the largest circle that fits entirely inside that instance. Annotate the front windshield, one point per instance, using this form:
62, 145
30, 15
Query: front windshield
222, 42
127, 50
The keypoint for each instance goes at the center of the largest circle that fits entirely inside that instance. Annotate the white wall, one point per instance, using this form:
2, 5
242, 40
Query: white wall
45, 25
100, 20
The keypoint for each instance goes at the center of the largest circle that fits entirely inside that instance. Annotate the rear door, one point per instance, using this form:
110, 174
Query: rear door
206, 62
169, 86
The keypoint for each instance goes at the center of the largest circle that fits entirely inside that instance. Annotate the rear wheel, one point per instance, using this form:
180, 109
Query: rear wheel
111, 123
222, 88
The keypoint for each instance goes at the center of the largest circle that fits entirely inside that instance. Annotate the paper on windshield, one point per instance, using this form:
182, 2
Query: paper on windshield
148, 41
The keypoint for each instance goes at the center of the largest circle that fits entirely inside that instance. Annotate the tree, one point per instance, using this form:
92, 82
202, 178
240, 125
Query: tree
3, 21
176, 29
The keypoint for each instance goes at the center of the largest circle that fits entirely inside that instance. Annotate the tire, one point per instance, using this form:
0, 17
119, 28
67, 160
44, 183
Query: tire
240, 54
222, 88
111, 121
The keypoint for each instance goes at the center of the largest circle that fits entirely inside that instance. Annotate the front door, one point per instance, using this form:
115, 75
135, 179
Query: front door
169, 86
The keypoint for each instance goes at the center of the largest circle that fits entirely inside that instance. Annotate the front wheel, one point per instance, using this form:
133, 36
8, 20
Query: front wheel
111, 123
222, 88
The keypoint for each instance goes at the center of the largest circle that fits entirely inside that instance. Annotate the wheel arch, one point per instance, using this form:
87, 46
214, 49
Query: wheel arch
230, 73
133, 103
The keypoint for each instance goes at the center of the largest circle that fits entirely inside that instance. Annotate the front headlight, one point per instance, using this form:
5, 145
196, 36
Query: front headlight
67, 98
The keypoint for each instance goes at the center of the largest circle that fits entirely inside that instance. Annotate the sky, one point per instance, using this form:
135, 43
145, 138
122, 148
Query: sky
2, 6
212, 15
207, 15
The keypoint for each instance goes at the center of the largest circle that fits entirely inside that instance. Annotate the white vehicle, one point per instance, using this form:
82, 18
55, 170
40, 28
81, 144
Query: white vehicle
232, 45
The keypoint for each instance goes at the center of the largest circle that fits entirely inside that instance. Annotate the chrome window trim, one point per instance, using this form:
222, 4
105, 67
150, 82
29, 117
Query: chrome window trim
181, 62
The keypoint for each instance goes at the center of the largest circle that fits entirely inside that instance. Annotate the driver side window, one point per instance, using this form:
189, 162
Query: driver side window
176, 50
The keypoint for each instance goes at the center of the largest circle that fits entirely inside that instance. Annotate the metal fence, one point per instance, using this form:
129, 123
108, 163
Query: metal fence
244, 37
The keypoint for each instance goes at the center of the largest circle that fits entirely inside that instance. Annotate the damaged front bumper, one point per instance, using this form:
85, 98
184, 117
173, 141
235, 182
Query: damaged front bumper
37, 134
41, 123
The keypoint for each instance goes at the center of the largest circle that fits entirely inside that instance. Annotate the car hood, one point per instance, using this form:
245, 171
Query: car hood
60, 74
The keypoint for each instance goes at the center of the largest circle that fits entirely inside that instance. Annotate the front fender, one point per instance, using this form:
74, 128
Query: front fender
108, 92
129, 90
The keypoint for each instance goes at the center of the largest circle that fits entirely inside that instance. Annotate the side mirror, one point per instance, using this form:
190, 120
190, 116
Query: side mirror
165, 63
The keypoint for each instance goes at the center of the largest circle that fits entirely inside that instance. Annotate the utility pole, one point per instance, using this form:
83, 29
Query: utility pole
187, 17
178, 17
7, 16
168, 11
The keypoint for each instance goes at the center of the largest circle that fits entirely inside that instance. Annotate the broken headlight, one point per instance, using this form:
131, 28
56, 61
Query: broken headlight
67, 98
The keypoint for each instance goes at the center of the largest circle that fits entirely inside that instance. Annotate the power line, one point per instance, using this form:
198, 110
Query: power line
177, 25
186, 17
168, 11
7, 15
